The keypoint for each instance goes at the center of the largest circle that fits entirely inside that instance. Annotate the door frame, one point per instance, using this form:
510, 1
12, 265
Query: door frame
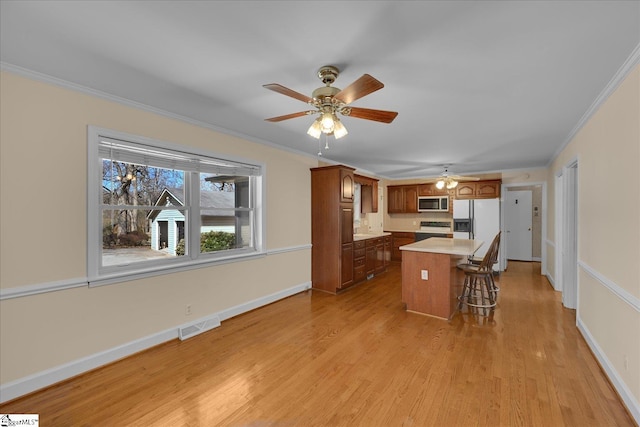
566, 273
543, 231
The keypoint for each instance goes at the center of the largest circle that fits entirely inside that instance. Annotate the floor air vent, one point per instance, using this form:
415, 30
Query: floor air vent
196, 328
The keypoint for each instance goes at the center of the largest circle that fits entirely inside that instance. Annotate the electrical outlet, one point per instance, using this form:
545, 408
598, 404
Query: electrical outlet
187, 310
626, 362
424, 274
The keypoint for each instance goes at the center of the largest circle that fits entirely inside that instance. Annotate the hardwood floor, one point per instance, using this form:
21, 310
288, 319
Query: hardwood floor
356, 359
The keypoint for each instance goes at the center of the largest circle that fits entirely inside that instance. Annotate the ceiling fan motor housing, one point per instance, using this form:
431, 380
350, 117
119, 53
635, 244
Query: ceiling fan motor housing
328, 74
322, 93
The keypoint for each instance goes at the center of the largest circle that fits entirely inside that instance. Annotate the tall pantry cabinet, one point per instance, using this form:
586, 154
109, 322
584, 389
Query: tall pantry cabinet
332, 193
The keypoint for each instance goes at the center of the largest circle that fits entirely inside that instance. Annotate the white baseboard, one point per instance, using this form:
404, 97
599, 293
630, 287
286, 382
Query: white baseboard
621, 387
552, 281
31, 383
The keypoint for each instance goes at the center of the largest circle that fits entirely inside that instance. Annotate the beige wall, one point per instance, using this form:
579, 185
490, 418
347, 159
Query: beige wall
43, 146
608, 153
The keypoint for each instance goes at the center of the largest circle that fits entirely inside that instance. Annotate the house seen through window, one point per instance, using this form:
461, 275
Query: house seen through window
163, 207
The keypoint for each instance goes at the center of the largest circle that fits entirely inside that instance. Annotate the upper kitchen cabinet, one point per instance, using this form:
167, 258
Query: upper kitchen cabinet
347, 188
478, 190
368, 194
431, 190
332, 193
402, 199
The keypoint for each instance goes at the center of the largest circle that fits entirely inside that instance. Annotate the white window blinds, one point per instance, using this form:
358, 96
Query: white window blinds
141, 154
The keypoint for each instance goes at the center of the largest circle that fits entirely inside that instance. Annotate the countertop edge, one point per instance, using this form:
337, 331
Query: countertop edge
457, 250
365, 236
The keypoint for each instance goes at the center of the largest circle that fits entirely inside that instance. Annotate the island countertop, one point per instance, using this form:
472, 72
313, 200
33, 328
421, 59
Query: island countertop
443, 245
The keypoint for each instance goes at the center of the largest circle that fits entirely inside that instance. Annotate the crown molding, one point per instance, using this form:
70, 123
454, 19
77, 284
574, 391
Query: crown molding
45, 78
632, 61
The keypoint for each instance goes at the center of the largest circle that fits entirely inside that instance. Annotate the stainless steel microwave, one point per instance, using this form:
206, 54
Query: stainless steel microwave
433, 204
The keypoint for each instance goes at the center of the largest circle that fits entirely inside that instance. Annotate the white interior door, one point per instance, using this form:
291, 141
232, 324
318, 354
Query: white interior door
518, 222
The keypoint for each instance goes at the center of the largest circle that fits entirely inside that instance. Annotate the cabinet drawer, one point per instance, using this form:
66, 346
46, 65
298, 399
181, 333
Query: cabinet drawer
359, 253
359, 262
360, 244
403, 235
374, 242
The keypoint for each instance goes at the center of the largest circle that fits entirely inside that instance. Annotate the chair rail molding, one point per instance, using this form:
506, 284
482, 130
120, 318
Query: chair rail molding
618, 291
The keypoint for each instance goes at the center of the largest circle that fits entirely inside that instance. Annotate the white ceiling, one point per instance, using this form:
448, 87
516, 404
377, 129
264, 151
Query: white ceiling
484, 86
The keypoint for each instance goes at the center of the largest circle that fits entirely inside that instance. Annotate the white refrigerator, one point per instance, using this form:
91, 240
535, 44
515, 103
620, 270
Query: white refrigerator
484, 215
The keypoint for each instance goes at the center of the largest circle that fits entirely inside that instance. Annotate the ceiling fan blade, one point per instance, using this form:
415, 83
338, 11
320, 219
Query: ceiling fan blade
289, 92
369, 114
291, 116
361, 87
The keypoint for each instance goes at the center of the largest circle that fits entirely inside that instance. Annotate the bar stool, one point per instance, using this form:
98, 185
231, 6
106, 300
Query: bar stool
479, 289
492, 262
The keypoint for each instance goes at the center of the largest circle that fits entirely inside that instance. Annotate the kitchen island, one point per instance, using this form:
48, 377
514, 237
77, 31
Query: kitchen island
431, 280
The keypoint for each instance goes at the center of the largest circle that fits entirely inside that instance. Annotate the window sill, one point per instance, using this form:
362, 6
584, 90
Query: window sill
142, 273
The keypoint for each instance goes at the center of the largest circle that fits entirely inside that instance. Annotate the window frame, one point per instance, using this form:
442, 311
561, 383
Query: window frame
102, 275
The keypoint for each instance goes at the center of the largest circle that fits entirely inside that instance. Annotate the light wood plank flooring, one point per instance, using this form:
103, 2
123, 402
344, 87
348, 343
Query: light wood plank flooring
356, 359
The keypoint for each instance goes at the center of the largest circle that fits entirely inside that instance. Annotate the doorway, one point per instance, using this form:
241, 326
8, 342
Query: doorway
539, 229
163, 238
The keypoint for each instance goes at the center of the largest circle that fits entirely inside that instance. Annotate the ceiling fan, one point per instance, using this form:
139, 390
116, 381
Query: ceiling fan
451, 181
329, 100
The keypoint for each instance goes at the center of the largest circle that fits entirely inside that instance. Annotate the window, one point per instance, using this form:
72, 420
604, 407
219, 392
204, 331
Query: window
155, 206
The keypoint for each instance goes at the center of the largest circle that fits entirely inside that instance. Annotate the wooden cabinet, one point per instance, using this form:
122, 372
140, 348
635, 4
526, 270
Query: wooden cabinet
478, 190
346, 237
430, 189
346, 185
332, 253
346, 262
402, 199
368, 193
400, 239
466, 190
359, 261
395, 199
370, 261
411, 199
346, 223
387, 250
371, 257
488, 189
379, 242
375, 255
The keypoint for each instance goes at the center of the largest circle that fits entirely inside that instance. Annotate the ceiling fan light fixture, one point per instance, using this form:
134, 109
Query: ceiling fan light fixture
452, 184
339, 130
328, 122
440, 184
315, 130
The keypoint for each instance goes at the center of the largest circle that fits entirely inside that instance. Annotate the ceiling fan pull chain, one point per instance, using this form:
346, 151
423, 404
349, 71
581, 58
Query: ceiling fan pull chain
326, 141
